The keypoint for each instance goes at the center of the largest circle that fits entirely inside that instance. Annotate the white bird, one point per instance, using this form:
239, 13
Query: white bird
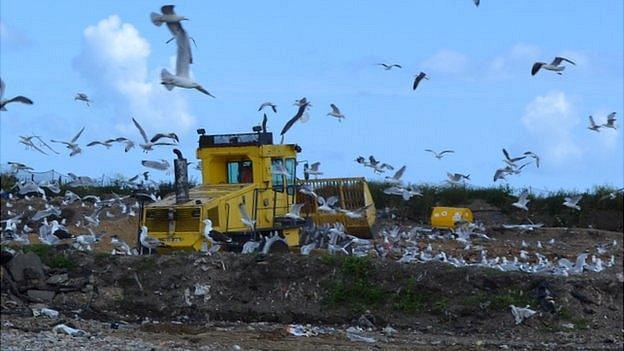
294, 212
184, 59
327, 205
335, 112
419, 77
533, 156
520, 313
148, 145
18, 98
149, 242
245, 218
120, 246
554, 66
106, 143
128, 144
455, 178
313, 169
388, 67
207, 230
592, 125
279, 169
440, 154
610, 121
268, 104
572, 202
168, 16
94, 218
83, 97
307, 190
396, 178
355, 214
522, 202
161, 165
72, 144
27, 140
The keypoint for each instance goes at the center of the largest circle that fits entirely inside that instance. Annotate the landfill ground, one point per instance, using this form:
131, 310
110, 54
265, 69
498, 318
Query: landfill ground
229, 301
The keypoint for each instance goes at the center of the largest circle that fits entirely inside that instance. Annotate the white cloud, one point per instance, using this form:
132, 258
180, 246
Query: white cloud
446, 61
550, 121
114, 60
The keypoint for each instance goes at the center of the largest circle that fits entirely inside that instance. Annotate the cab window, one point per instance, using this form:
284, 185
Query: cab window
239, 172
278, 179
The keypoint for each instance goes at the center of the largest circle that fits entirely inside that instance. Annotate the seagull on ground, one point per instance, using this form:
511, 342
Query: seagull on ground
149, 242
4, 102
335, 112
148, 144
592, 125
120, 246
440, 154
83, 97
554, 66
72, 145
388, 67
268, 104
572, 202
419, 77
523, 200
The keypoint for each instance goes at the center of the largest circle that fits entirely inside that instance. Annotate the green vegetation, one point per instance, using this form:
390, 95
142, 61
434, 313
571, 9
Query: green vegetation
499, 301
353, 288
410, 299
50, 257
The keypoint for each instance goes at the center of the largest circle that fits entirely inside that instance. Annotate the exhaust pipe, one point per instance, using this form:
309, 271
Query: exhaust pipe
180, 169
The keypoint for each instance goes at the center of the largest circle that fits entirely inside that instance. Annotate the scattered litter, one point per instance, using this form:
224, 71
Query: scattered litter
520, 314
307, 330
46, 312
389, 331
355, 334
62, 328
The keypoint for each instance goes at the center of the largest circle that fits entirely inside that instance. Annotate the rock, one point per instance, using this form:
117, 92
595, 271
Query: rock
58, 279
26, 266
108, 296
72, 299
42, 295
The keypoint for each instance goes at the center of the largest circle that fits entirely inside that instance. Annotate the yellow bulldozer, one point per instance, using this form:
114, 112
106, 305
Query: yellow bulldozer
240, 185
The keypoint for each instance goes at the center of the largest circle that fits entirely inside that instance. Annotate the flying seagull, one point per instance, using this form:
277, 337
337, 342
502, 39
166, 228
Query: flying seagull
396, 178
161, 165
592, 125
148, 145
28, 141
128, 144
184, 59
269, 104
522, 202
245, 218
457, 177
18, 98
171, 136
610, 121
388, 67
553, 66
72, 145
572, 202
419, 77
335, 112
303, 105
168, 16
83, 97
440, 154
106, 143
477, 2
313, 169
534, 156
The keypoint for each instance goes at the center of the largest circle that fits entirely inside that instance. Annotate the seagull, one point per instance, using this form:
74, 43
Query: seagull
388, 67
168, 16
511, 160
312, 170
106, 143
612, 195
295, 209
149, 242
308, 190
72, 145
163, 165
17, 167
610, 121
501, 173
303, 105
269, 104
184, 59
251, 224
327, 205
31, 145
522, 202
572, 202
553, 66
355, 214
406, 193
440, 154
148, 145
82, 97
120, 246
457, 177
336, 113
396, 178
128, 144
476, 2
592, 125
18, 98
520, 314
419, 77
534, 156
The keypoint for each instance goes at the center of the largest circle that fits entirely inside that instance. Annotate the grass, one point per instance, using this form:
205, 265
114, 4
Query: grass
499, 302
50, 257
354, 287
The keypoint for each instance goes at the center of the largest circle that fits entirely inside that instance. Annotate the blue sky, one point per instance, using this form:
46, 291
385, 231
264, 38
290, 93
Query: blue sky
481, 96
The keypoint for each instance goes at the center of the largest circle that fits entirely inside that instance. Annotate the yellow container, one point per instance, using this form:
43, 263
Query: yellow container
446, 217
